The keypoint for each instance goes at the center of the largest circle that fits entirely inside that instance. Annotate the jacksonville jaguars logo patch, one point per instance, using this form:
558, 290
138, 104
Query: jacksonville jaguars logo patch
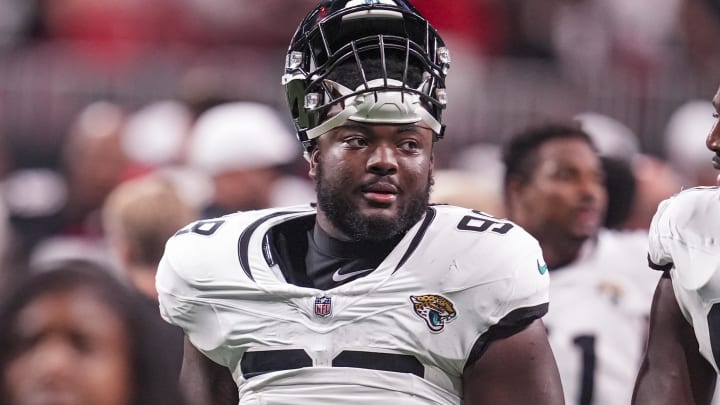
436, 310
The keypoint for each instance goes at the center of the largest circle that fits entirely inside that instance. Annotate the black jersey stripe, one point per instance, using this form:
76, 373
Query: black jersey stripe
266, 361
260, 362
244, 240
659, 267
512, 323
399, 363
429, 217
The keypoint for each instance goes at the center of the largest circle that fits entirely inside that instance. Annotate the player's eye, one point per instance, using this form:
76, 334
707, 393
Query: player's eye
409, 145
355, 142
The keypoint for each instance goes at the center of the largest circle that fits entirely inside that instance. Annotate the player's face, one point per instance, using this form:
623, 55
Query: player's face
565, 197
69, 349
713, 139
373, 181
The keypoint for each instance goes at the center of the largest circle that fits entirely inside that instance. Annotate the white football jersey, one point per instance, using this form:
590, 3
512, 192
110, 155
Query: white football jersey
685, 239
402, 334
597, 321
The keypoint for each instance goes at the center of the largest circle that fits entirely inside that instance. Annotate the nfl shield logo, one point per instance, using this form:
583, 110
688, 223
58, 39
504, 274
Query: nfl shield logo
323, 306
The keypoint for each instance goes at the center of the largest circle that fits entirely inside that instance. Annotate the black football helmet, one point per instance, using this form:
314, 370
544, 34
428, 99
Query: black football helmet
338, 34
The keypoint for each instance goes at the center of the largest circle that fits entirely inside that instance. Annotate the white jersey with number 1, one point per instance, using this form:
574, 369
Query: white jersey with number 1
598, 316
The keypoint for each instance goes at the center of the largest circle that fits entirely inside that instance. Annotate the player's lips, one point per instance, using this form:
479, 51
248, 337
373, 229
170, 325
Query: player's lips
588, 215
716, 162
380, 192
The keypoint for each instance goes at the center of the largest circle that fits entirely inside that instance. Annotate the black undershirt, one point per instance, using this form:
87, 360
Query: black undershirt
309, 257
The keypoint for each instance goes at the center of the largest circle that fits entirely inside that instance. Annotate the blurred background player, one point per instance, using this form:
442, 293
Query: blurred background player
554, 188
683, 350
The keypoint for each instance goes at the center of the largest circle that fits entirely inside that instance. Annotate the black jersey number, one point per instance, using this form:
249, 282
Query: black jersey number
586, 345
482, 222
204, 228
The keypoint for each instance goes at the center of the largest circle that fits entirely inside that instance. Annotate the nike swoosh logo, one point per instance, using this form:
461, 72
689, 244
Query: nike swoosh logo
339, 277
542, 269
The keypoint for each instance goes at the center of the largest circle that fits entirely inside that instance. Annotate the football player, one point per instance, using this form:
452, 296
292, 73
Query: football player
554, 188
371, 295
683, 351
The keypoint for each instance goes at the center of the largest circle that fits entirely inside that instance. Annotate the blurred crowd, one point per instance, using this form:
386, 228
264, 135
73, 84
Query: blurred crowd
121, 121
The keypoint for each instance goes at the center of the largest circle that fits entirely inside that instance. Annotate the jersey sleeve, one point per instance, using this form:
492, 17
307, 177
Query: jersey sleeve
682, 238
659, 257
529, 296
520, 292
180, 295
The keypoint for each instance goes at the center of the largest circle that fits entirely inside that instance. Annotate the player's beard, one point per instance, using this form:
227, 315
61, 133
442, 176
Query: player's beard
337, 204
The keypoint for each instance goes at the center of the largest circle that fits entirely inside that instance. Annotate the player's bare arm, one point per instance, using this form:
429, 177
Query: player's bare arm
673, 371
204, 381
519, 369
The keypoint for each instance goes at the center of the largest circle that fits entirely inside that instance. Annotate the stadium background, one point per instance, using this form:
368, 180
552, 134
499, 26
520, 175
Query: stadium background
514, 61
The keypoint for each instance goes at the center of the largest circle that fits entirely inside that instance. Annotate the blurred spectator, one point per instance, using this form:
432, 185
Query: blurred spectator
242, 146
139, 216
155, 135
684, 143
74, 335
94, 163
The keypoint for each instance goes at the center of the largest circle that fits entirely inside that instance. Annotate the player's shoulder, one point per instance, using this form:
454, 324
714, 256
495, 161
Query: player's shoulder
494, 256
690, 205
205, 237
469, 237
689, 202
480, 226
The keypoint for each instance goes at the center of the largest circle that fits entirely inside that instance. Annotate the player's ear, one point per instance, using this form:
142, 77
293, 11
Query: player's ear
314, 161
513, 188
